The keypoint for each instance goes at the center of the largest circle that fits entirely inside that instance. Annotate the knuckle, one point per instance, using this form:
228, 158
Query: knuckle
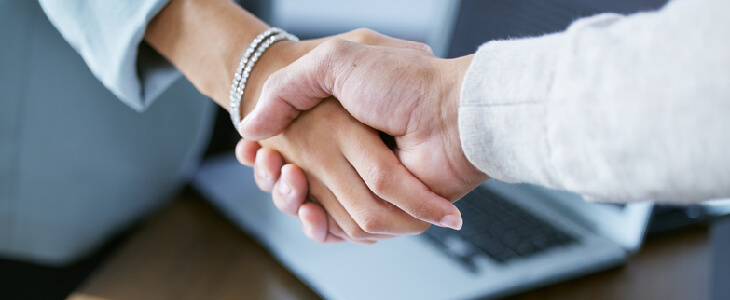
371, 223
355, 233
377, 178
422, 46
332, 46
364, 35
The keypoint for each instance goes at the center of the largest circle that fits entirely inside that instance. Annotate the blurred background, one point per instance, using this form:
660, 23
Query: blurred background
452, 28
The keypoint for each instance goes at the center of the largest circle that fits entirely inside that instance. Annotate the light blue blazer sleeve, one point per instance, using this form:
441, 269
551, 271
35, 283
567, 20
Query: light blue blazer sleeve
108, 35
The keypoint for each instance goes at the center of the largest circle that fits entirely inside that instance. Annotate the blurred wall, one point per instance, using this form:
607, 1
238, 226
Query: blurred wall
429, 21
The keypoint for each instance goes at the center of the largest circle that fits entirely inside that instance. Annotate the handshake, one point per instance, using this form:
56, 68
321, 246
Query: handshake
358, 136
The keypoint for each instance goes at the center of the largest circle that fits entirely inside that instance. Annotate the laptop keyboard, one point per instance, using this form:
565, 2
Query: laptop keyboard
498, 229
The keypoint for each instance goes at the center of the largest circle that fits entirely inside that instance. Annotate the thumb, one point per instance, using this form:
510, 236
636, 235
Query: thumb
299, 86
269, 118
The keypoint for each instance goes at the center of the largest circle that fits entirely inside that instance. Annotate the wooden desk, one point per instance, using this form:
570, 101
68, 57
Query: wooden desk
190, 251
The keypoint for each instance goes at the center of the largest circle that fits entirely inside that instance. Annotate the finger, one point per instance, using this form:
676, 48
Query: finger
397, 43
371, 37
343, 225
331, 239
418, 46
336, 234
246, 152
267, 168
291, 190
372, 216
314, 222
336, 231
390, 180
388, 41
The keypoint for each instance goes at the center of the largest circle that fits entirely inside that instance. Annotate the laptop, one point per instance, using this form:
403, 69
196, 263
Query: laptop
515, 237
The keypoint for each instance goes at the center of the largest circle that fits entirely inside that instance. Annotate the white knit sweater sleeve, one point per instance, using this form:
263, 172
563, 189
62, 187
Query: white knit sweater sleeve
617, 108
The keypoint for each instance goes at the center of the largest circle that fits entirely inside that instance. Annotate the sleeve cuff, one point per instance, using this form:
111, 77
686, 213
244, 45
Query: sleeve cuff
503, 111
109, 37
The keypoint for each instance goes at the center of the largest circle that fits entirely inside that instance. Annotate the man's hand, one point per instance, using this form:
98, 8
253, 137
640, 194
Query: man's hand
355, 214
407, 94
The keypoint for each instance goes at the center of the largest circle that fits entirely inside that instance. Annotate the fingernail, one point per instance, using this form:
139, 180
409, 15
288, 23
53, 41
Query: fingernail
284, 188
451, 221
307, 228
247, 118
263, 174
243, 124
240, 129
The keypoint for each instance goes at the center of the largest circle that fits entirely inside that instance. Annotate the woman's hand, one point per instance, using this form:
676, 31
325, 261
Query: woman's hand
334, 151
288, 187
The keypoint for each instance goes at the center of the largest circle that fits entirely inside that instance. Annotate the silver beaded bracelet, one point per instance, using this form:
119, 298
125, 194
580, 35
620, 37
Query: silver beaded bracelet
257, 48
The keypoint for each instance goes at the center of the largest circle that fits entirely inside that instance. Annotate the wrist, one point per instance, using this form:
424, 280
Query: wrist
453, 77
204, 39
453, 73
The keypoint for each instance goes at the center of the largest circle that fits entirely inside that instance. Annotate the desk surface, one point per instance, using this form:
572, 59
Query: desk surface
190, 251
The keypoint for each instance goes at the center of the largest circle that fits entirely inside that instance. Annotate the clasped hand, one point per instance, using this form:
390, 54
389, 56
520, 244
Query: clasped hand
314, 139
